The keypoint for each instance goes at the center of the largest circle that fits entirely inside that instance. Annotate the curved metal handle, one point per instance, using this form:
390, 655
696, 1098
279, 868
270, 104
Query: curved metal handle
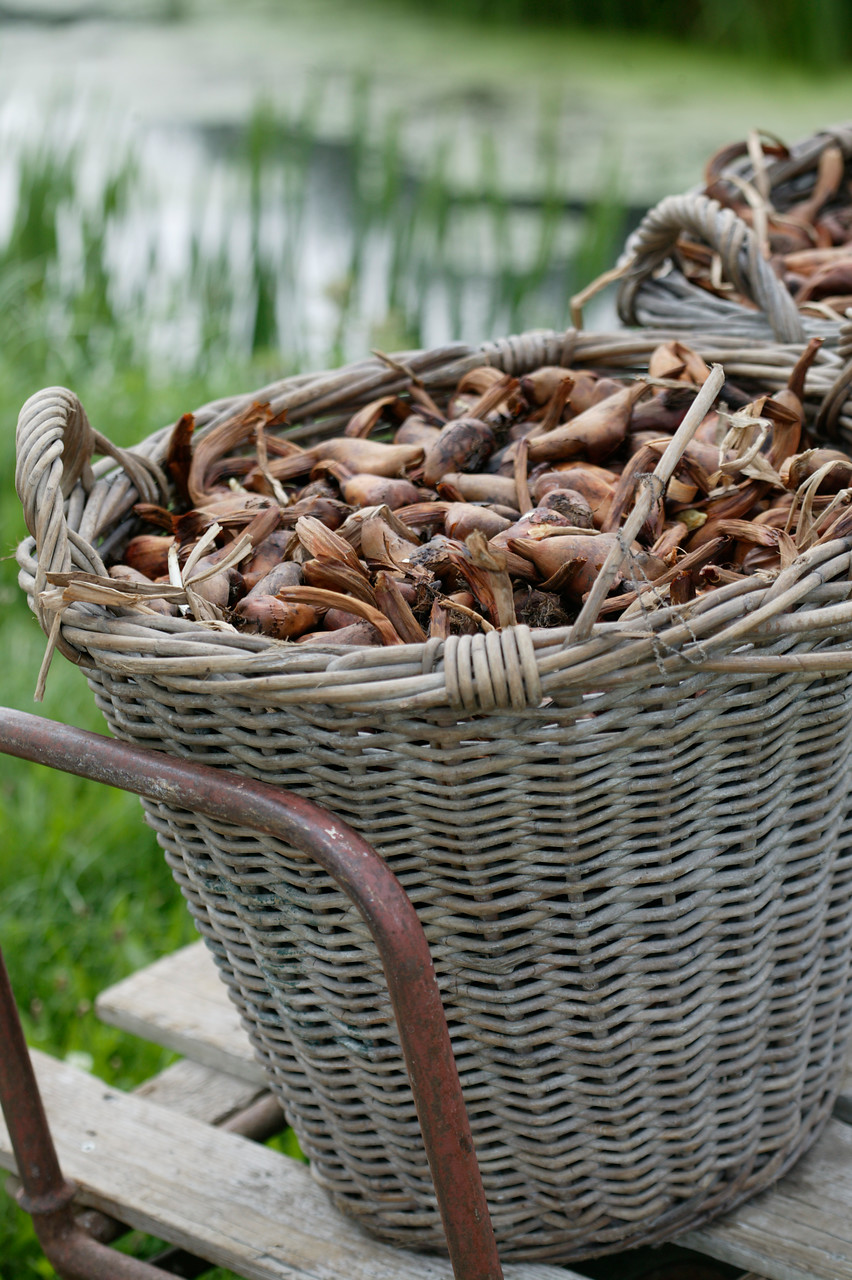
739, 248
368, 881
55, 443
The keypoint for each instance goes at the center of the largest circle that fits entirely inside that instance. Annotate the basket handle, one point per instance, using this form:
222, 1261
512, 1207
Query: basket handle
739, 248
55, 443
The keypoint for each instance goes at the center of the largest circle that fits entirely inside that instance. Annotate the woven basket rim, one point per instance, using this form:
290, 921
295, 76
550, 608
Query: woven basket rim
653, 290
796, 623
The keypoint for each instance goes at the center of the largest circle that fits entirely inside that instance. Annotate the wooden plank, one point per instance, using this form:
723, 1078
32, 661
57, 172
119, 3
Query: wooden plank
754, 1237
800, 1229
180, 1002
200, 1092
221, 1196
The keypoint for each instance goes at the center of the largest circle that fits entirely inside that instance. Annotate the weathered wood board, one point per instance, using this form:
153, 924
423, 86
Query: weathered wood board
800, 1230
181, 1003
221, 1196
199, 1091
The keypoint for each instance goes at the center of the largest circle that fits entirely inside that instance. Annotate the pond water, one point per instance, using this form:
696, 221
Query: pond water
321, 177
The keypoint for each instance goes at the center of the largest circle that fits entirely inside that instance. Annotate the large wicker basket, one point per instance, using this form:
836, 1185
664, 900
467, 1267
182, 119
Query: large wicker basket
655, 291
632, 855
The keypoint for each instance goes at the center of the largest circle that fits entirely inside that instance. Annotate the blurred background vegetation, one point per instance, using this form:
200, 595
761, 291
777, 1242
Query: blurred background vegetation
192, 204
816, 31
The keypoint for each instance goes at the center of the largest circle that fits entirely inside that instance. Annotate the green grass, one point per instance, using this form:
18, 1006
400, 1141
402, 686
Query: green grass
85, 896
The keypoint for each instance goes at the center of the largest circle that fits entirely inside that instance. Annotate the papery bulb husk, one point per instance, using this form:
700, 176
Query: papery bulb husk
571, 505
416, 430
445, 620
794, 471
336, 575
795, 389
287, 573
375, 414
682, 491
481, 487
124, 573
682, 589
396, 608
709, 532
502, 399
282, 620
736, 502
323, 543
439, 556
597, 432
757, 558
424, 515
665, 361
269, 553
358, 455
221, 440
216, 589
160, 517
365, 490
357, 633
463, 445
329, 511
539, 516
663, 411
149, 553
382, 546
324, 599
479, 380
595, 484
463, 517
550, 554
673, 536
538, 387
336, 619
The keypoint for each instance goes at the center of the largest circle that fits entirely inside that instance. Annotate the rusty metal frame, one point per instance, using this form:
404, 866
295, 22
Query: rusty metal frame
366, 879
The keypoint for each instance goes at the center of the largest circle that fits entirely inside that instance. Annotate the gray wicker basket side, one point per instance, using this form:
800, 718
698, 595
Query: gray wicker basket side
635, 876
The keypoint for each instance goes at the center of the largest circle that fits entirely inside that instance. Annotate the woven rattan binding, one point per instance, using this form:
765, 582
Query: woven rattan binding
632, 855
654, 292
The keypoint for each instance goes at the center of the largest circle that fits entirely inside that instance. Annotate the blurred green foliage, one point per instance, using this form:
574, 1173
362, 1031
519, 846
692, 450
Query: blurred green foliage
815, 33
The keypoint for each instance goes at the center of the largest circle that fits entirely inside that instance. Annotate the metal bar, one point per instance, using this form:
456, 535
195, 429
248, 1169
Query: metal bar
45, 1194
366, 879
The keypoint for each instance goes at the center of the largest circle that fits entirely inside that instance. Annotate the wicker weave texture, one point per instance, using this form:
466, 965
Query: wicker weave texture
639, 913
655, 292
634, 875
